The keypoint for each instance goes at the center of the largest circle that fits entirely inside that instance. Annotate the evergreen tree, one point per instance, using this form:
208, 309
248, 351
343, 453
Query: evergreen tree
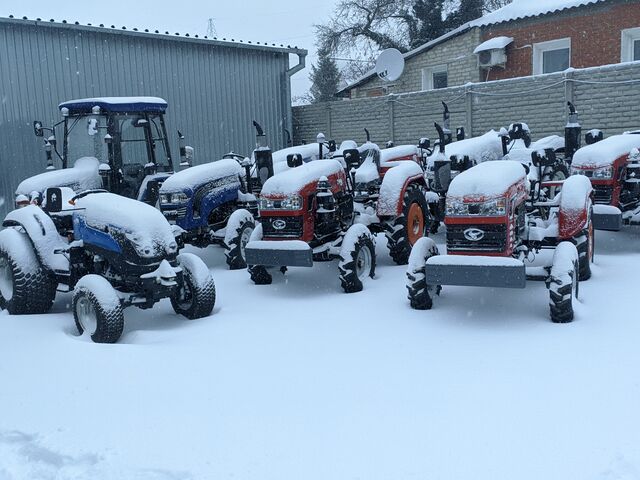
467, 10
325, 77
429, 16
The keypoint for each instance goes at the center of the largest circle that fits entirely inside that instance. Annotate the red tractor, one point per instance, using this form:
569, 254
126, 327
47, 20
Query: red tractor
389, 191
613, 167
307, 215
493, 233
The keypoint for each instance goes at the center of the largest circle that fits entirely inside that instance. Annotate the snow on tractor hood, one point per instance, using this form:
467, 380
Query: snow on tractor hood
388, 155
82, 176
309, 152
479, 149
291, 181
605, 152
201, 174
489, 179
146, 226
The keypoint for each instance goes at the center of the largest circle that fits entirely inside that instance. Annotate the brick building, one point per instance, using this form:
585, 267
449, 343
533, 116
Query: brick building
522, 39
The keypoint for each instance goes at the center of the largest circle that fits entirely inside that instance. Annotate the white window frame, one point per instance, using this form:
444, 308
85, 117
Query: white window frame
629, 36
427, 75
540, 48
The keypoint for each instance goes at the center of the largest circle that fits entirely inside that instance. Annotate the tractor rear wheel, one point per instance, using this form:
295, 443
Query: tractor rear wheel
555, 173
410, 226
25, 286
420, 294
97, 309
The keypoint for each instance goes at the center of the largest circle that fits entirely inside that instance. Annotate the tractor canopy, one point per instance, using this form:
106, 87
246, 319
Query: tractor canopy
82, 176
605, 152
85, 106
489, 180
295, 180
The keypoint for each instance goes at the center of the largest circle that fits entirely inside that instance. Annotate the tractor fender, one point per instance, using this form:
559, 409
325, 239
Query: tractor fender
575, 206
43, 235
394, 185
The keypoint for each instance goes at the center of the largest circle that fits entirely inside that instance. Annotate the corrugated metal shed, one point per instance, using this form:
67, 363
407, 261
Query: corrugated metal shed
214, 88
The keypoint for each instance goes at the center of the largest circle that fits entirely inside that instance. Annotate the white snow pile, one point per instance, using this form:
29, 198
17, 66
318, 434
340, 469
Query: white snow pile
490, 179
309, 152
390, 157
293, 180
605, 152
82, 176
526, 8
200, 174
392, 185
480, 149
367, 171
146, 226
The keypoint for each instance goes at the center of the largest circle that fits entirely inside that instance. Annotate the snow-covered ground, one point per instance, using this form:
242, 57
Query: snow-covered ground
298, 380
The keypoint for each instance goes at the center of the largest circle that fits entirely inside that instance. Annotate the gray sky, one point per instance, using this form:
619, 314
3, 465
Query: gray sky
289, 21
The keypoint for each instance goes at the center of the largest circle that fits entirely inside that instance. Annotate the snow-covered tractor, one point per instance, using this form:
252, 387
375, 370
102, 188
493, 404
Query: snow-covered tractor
111, 251
390, 194
216, 203
613, 167
307, 215
493, 235
116, 143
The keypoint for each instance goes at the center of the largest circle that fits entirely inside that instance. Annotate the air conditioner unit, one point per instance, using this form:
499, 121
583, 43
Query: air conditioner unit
492, 58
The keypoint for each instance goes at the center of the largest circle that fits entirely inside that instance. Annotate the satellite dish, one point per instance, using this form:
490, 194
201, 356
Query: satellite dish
390, 64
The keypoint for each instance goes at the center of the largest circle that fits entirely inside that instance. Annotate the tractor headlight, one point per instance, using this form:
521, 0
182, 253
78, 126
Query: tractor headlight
603, 173
173, 198
457, 208
494, 208
292, 202
142, 247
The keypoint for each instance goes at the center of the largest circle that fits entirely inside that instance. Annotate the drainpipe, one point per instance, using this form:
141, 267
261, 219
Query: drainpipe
302, 55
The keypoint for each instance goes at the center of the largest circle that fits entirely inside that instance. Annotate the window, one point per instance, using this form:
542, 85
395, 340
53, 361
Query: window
435, 77
630, 45
553, 56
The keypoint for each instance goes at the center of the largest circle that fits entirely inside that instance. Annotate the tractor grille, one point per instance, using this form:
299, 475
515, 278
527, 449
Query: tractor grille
173, 214
493, 238
282, 227
602, 194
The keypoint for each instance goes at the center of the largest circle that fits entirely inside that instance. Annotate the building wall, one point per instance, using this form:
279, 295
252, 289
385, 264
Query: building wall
214, 91
456, 53
606, 97
595, 32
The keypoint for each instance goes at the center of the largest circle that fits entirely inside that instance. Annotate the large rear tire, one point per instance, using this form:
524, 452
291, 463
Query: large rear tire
196, 296
411, 225
97, 309
419, 293
25, 286
357, 258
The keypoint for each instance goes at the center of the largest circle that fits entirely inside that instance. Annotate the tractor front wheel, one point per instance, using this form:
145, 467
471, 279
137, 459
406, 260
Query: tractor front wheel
563, 282
357, 258
259, 275
97, 309
585, 244
197, 294
420, 294
410, 226
239, 229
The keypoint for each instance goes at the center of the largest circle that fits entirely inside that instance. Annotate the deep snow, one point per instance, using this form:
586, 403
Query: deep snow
299, 380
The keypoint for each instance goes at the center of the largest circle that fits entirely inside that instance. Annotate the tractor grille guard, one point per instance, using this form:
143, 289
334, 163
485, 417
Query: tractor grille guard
282, 227
493, 238
602, 194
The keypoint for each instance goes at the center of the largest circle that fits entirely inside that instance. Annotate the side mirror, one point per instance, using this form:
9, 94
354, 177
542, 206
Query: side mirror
332, 146
92, 127
546, 158
108, 139
425, 143
460, 133
294, 160
593, 136
54, 199
352, 158
37, 128
189, 153
460, 163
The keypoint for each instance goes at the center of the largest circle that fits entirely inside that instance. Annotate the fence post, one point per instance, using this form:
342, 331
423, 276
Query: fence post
468, 92
329, 126
391, 120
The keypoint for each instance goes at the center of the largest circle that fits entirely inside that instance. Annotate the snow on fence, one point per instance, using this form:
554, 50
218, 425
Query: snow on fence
607, 97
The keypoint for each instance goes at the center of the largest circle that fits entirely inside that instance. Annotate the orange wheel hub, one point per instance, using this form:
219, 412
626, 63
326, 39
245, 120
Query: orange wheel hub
415, 223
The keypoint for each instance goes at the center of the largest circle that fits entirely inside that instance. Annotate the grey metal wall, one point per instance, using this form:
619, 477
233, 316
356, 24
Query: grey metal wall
214, 89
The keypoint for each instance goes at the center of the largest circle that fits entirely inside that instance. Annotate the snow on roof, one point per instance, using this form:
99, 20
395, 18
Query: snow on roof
200, 174
493, 43
527, 8
489, 179
116, 104
293, 180
147, 222
82, 176
605, 152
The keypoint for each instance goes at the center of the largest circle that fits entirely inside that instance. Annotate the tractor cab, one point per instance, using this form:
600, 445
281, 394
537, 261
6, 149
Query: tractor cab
127, 135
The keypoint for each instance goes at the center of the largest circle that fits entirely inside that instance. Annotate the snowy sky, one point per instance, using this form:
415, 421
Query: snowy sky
288, 21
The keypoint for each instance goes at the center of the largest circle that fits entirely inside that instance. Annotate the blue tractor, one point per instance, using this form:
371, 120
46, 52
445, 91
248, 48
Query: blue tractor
111, 251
